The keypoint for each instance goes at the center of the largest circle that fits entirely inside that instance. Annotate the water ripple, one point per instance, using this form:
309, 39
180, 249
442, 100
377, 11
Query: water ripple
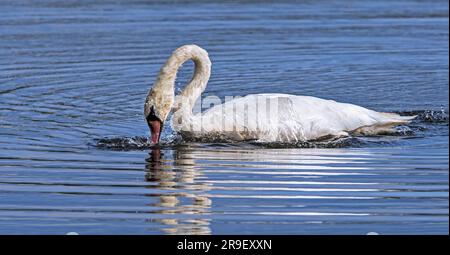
74, 151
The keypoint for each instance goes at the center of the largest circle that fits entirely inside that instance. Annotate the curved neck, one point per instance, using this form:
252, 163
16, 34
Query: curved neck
166, 79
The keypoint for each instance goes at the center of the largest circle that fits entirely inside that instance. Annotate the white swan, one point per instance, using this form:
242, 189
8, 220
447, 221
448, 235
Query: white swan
263, 117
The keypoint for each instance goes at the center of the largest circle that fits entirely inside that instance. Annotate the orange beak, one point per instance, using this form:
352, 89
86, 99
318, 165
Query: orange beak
155, 129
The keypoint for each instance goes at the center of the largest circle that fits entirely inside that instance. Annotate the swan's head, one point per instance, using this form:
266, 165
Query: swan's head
156, 109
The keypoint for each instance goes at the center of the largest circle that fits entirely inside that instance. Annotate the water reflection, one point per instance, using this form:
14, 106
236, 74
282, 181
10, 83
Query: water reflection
175, 176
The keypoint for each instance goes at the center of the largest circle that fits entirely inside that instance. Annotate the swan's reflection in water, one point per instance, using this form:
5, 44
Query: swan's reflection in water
260, 175
183, 195
298, 179
284, 190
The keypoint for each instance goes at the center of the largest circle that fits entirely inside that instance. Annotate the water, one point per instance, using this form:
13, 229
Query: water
74, 155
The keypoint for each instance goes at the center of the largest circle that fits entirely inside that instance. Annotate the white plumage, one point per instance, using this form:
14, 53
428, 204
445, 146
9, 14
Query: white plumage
262, 117
295, 118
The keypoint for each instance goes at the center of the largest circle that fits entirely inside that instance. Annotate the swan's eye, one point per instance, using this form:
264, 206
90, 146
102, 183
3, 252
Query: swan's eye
152, 115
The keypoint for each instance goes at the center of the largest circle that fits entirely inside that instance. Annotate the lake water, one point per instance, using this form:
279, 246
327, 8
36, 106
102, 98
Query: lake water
73, 150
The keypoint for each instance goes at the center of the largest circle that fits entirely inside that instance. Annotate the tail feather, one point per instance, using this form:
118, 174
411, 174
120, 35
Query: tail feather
384, 127
395, 119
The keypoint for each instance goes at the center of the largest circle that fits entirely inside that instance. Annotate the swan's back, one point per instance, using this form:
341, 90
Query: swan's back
288, 118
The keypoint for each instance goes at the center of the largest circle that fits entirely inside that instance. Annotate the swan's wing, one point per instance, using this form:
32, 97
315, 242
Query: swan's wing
243, 118
321, 117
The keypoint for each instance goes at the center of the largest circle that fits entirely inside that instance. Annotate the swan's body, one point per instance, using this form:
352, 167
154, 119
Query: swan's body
263, 117
299, 118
